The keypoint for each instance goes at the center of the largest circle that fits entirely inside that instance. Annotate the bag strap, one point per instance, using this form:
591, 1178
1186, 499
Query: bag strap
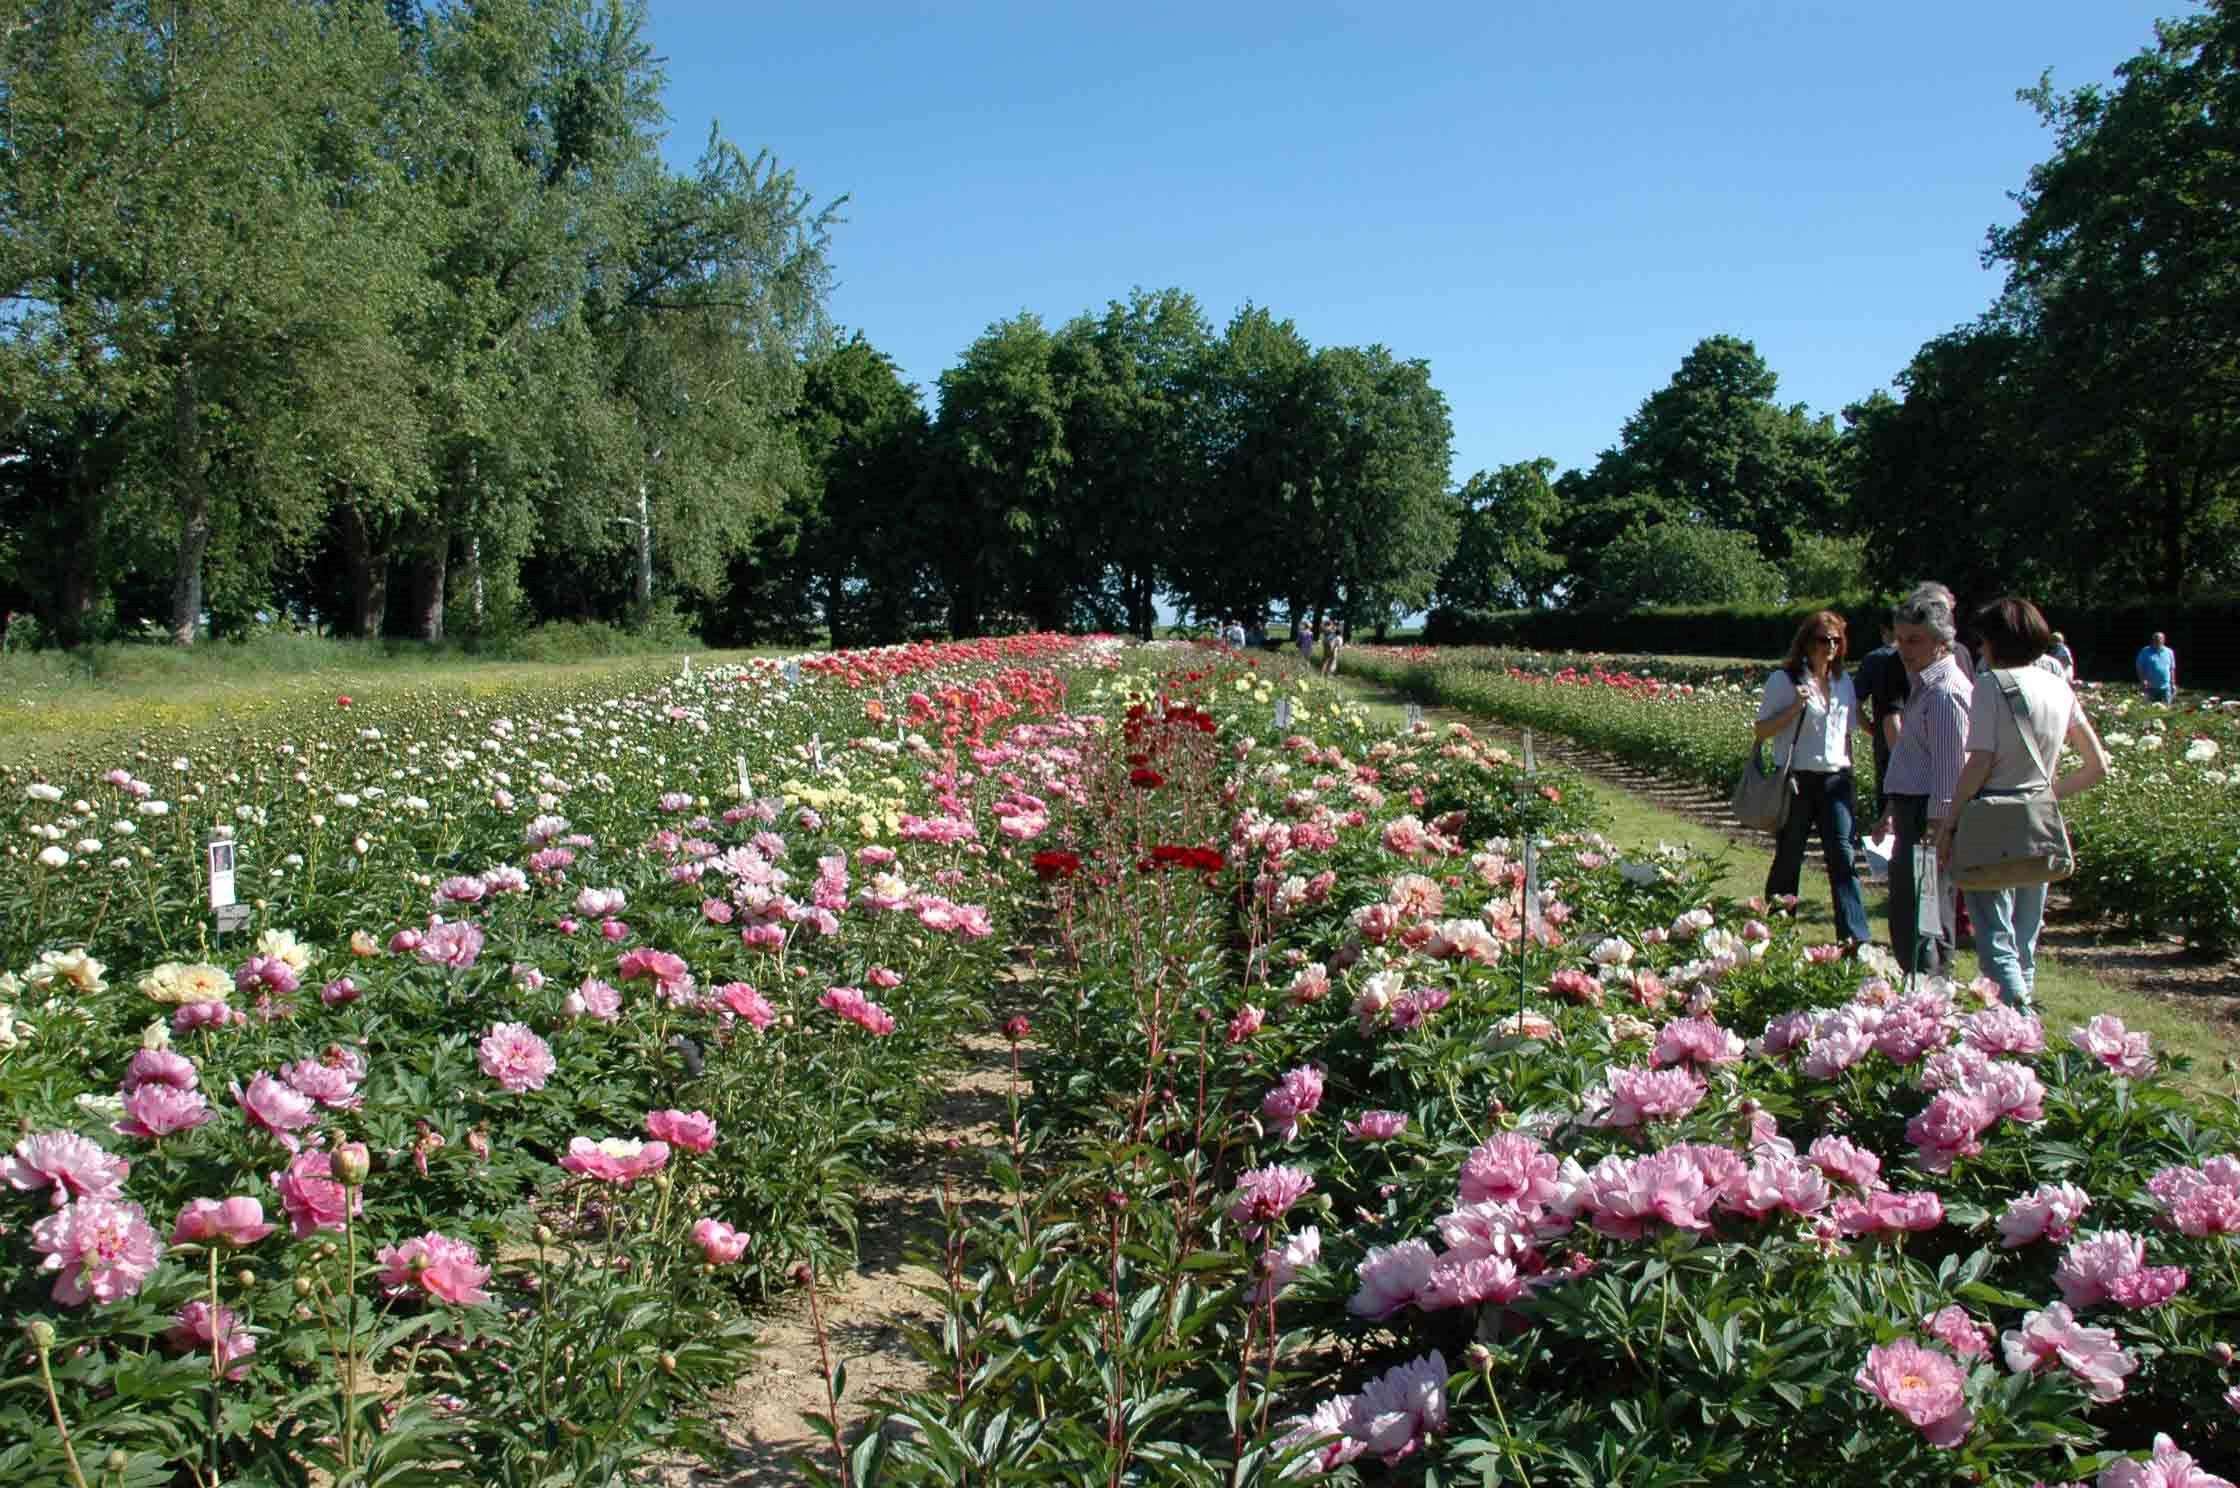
2019, 706
1795, 733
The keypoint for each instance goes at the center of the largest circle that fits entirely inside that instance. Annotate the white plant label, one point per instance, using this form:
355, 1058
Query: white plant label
1531, 761
221, 874
746, 786
1283, 713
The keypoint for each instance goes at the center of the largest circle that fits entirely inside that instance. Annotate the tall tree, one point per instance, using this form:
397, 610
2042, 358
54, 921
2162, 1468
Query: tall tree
2122, 262
1503, 554
1001, 454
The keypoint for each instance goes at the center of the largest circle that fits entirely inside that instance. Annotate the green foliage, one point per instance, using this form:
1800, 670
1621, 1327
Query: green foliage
1502, 554
1681, 563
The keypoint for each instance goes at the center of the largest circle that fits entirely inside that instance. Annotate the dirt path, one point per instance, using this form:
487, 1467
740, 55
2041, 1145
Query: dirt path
2157, 966
867, 1312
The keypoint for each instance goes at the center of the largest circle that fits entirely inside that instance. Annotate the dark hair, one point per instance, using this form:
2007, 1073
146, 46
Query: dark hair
1800, 645
2013, 631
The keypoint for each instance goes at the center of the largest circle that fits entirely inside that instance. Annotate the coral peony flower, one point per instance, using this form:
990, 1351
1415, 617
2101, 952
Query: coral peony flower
744, 1002
850, 1003
75, 1167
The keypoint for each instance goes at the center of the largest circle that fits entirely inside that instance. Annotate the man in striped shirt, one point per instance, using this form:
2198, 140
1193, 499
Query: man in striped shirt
1925, 765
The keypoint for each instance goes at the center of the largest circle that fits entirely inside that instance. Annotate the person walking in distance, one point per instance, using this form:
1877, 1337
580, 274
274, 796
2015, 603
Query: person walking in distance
2157, 666
1810, 708
1925, 764
1879, 682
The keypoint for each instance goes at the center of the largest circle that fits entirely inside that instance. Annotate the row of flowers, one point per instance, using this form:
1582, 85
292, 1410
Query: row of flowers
1380, 1150
2158, 843
565, 1027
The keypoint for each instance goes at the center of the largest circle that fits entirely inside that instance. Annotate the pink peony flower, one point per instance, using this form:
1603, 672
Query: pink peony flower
850, 1003
744, 1002
1952, 1127
2054, 1336
1297, 1096
2200, 1201
1390, 1277
159, 1067
1395, 1412
268, 973
2003, 1030
2122, 1051
718, 1242
437, 1266
235, 1221
1846, 1162
1884, 1212
1959, 1332
187, 1017
1777, 1183
1248, 1021
101, 1250
512, 1055
1695, 1041
155, 1111
2047, 1212
313, 1198
594, 999
331, 1085
1377, 1126
454, 944
1627, 1197
885, 978
1510, 1167
1264, 1194
617, 1160
199, 1330
644, 963
1922, 1385
73, 1166
694, 1131
1457, 1281
2167, 1468
1637, 1095
2111, 1266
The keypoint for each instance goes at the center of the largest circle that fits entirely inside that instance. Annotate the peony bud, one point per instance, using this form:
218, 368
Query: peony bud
41, 1334
351, 1164
244, 1278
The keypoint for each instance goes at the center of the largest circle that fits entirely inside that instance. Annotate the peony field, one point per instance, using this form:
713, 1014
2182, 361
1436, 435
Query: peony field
1367, 1115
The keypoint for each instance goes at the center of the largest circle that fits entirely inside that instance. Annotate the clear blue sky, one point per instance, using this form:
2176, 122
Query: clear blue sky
1548, 202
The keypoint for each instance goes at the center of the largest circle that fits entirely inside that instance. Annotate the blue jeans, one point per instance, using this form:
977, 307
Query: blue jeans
1824, 800
2007, 922
2157, 692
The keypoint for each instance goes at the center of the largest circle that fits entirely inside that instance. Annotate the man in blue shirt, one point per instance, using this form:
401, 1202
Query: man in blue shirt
2157, 666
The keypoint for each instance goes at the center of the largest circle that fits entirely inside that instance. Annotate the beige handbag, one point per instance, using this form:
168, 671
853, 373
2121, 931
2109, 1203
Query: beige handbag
2009, 841
1762, 797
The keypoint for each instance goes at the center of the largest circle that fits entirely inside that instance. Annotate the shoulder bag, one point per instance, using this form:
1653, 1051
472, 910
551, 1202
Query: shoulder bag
1762, 796
2010, 841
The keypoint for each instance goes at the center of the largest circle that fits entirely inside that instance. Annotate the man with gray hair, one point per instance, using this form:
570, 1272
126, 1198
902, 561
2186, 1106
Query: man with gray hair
1925, 764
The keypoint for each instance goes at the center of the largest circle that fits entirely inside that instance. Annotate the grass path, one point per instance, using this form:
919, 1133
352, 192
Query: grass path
1644, 810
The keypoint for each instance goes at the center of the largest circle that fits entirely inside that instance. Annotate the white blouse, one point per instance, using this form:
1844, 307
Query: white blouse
1824, 743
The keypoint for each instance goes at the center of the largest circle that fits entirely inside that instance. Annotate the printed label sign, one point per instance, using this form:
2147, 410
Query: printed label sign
221, 874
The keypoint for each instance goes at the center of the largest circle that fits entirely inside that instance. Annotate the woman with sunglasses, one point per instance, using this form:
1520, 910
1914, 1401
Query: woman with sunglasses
1809, 710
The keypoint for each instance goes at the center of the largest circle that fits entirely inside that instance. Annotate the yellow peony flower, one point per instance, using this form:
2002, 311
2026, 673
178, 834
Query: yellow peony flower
178, 983
81, 971
283, 944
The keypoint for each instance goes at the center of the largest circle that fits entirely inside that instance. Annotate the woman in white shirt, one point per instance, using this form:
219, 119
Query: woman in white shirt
1809, 709
2003, 760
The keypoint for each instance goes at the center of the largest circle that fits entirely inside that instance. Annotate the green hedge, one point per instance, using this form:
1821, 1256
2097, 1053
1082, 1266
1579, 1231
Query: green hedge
2204, 632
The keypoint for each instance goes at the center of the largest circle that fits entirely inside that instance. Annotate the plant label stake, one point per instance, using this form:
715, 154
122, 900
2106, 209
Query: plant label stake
746, 786
1531, 761
1415, 716
1283, 713
229, 915
793, 674
816, 751
687, 670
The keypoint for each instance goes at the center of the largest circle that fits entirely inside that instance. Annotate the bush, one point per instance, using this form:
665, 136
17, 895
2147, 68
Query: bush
1683, 563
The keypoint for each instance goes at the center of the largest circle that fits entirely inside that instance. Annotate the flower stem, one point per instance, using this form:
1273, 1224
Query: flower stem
43, 1343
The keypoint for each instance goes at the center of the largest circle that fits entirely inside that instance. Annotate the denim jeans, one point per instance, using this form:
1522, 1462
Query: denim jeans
1922, 943
2007, 923
1824, 800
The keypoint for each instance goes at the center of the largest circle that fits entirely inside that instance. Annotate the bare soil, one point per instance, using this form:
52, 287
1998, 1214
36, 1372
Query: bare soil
867, 1314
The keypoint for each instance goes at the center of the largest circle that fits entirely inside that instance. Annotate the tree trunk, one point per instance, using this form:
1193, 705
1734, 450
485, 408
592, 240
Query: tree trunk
642, 593
476, 593
834, 588
77, 565
194, 528
369, 575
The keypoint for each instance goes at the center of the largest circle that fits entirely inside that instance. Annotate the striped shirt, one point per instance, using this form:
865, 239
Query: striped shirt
1933, 739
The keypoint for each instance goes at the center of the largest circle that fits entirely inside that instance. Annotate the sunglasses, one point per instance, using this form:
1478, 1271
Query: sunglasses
1827, 640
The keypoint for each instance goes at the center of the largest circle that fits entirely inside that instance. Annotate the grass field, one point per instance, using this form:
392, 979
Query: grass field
56, 703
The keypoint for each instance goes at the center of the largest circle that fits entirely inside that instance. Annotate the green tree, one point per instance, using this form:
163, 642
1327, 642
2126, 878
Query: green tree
2121, 265
1504, 558
1382, 526
1000, 457
1673, 563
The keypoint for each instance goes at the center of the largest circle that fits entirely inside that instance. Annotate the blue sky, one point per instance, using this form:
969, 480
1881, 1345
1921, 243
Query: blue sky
1550, 203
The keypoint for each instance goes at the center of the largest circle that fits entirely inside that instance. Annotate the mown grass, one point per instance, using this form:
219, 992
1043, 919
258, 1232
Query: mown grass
55, 705
2066, 995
